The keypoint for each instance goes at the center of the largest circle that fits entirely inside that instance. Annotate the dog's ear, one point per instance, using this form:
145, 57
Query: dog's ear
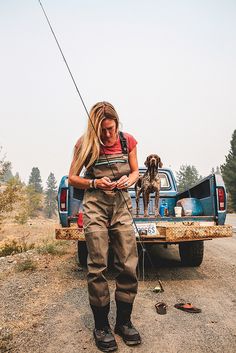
160, 163
146, 162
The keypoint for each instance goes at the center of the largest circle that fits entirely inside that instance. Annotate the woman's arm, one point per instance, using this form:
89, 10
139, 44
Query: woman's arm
126, 181
133, 162
83, 183
75, 180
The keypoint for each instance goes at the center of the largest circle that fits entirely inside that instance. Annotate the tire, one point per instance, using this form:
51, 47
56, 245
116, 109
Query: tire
191, 253
82, 253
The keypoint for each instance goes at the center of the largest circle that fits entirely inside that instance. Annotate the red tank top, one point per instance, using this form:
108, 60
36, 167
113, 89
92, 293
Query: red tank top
116, 148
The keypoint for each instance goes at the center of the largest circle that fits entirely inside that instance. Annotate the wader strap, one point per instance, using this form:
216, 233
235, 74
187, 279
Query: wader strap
123, 143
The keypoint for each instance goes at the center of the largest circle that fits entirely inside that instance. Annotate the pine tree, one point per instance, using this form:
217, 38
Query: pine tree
217, 170
34, 193
35, 180
228, 170
4, 166
51, 194
187, 177
9, 193
17, 176
7, 175
9, 196
34, 201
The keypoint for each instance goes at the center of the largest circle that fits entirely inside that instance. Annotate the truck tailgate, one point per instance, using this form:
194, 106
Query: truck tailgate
181, 232
164, 232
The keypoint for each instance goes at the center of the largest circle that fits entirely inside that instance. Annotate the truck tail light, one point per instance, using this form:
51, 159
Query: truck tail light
80, 220
221, 198
63, 199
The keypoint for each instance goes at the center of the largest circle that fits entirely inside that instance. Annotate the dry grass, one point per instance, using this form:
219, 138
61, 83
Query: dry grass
36, 233
26, 265
5, 339
53, 247
13, 247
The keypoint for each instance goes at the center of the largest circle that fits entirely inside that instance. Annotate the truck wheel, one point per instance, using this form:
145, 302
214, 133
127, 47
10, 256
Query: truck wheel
191, 253
82, 253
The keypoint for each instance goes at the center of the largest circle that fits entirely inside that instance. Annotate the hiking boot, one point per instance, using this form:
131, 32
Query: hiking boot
103, 335
124, 326
129, 333
105, 340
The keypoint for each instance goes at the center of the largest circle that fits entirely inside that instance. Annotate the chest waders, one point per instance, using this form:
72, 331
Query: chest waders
106, 218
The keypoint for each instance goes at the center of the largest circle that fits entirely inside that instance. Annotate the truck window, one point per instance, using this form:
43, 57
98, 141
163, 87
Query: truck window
164, 180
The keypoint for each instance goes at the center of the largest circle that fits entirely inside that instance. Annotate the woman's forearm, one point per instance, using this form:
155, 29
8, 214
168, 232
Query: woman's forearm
79, 182
133, 177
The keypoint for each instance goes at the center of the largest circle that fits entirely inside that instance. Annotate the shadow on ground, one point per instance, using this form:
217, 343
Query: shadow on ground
156, 262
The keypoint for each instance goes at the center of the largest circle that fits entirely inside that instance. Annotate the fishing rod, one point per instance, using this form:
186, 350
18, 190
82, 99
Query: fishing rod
144, 250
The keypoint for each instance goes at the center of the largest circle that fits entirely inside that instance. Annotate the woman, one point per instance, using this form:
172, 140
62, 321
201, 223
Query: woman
110, 161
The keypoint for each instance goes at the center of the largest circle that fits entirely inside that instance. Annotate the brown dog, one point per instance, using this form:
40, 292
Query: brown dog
149, 182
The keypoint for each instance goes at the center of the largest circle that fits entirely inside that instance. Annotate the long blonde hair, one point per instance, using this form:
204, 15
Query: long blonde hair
89, 150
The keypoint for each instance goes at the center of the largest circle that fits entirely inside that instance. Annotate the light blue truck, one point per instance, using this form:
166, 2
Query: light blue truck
203, 213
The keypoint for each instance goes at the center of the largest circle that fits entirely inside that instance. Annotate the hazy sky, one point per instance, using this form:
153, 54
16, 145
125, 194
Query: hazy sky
169, 68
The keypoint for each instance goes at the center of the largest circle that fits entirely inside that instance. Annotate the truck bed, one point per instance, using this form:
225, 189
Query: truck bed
208, 223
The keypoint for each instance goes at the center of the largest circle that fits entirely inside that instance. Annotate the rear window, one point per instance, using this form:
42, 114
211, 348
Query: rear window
165, 182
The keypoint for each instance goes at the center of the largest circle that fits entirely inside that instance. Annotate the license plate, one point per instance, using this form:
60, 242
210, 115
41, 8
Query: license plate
146, 229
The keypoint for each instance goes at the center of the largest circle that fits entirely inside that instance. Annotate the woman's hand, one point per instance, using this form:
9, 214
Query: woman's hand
123, 182
126, 181
105, 183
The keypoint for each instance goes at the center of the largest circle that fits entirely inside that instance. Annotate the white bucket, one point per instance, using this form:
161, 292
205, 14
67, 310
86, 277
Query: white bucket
178, 211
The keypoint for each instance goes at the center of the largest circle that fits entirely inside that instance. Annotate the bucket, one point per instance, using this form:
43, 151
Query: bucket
178, 211
190, 206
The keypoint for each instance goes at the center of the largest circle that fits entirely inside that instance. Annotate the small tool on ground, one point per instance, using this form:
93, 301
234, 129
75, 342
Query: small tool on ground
158, 288
161, 308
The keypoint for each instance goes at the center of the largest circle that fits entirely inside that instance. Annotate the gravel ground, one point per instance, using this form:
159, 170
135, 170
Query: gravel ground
46, 310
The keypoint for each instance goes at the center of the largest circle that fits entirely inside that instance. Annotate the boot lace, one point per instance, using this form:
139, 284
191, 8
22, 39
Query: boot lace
104, 331
129, 324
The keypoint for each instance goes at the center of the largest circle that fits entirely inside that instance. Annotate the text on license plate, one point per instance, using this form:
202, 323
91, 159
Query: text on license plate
146, 228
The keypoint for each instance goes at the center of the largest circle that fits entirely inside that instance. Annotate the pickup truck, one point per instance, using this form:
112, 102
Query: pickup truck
203, 213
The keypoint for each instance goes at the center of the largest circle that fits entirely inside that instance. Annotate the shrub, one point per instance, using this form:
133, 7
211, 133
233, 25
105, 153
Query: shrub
14, 247
22, 217
53, 248
9, 248
26, 265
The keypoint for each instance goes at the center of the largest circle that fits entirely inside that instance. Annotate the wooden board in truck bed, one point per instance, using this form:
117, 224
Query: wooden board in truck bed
165, 232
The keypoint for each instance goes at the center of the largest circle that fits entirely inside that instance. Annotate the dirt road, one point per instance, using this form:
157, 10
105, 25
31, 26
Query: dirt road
46, 310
